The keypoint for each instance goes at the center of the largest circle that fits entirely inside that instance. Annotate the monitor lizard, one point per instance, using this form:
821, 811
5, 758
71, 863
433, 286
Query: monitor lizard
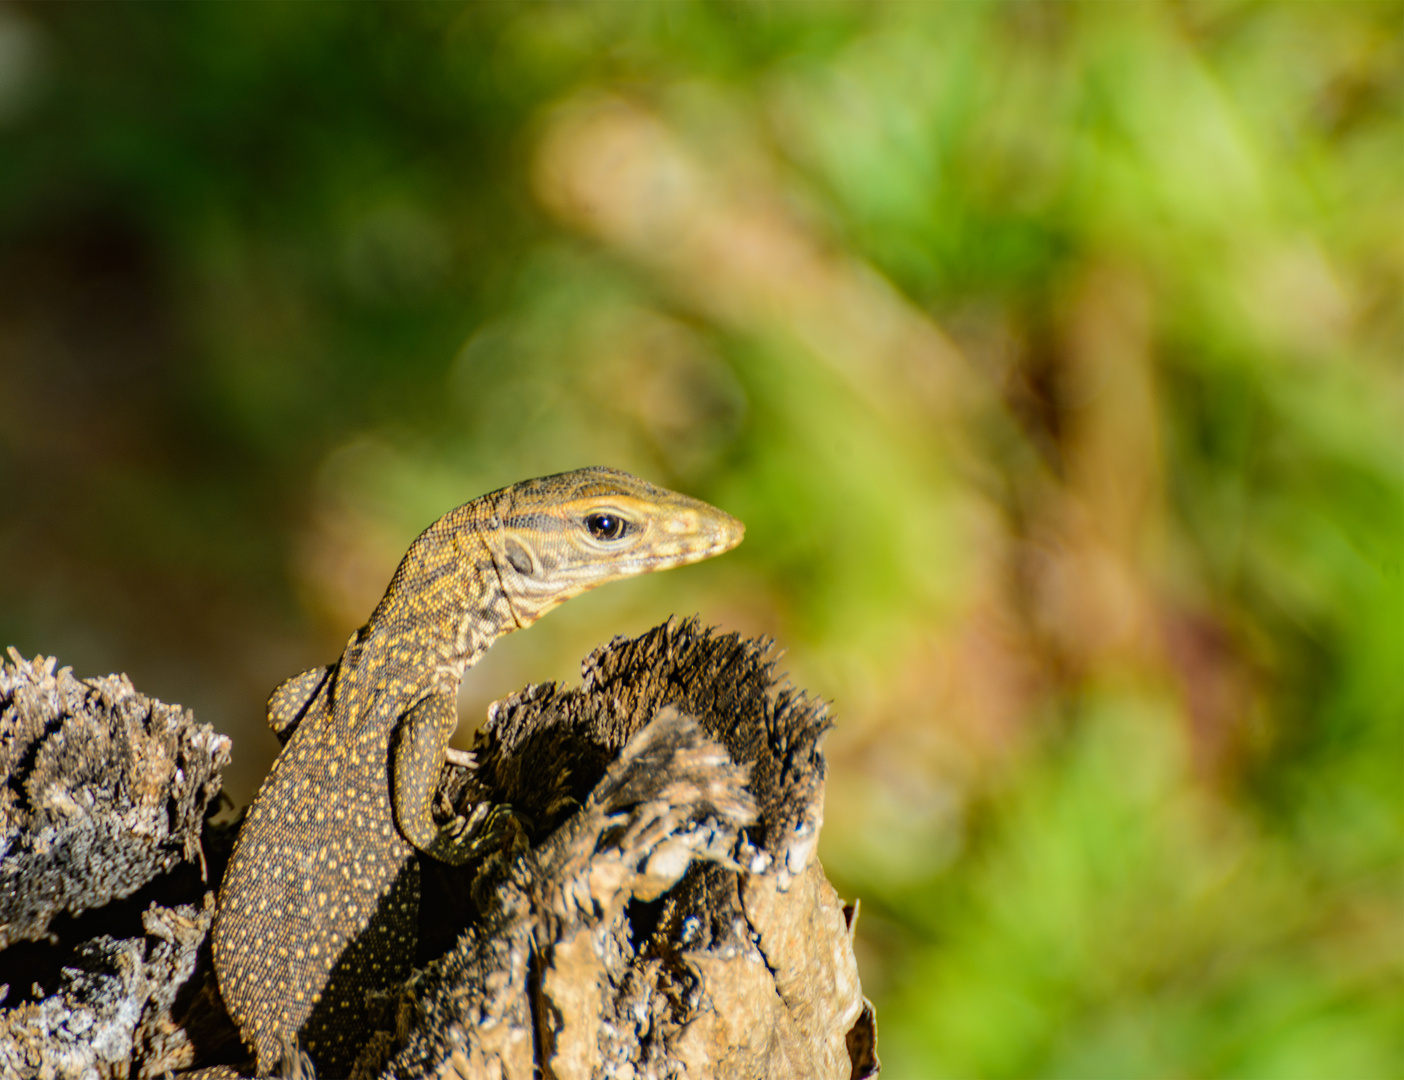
320, 899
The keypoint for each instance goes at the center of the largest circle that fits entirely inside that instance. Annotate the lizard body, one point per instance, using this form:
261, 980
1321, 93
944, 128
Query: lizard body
320, 900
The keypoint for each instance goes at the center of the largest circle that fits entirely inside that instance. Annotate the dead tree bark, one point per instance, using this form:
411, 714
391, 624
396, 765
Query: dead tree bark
653, 906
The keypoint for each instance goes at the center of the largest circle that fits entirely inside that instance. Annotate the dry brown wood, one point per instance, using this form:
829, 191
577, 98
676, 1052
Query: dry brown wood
653, 906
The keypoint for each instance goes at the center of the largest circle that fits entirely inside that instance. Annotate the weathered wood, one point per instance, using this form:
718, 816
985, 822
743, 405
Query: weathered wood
652, 905
103, 905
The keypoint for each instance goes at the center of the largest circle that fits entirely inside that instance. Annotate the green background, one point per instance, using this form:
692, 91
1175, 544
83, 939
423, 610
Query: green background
1050, 352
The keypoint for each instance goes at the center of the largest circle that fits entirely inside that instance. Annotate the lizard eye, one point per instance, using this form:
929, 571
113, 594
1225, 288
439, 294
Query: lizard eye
606, 526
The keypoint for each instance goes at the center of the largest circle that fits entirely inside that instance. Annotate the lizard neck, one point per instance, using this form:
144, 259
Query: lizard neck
444, 608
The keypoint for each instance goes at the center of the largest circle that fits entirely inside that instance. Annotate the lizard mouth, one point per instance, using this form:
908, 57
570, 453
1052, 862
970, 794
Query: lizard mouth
693, 536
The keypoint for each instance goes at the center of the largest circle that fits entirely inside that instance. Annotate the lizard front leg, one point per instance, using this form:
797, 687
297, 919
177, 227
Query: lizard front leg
296, 699
421, 747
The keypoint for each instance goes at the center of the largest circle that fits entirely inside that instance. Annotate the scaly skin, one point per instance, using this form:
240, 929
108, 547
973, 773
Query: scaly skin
321, 897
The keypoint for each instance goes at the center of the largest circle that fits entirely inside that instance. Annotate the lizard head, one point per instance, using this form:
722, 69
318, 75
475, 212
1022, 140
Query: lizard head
562, 535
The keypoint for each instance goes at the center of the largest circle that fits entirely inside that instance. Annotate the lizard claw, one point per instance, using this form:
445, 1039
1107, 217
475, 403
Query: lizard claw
483, 827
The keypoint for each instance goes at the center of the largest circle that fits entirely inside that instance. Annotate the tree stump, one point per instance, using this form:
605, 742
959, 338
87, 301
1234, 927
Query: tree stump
652, 905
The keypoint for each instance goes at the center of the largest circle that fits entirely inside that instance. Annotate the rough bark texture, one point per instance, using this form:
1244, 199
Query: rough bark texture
103, 906
653, 908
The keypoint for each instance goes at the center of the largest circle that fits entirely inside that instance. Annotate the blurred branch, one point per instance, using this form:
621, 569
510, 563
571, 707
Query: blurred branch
724, 240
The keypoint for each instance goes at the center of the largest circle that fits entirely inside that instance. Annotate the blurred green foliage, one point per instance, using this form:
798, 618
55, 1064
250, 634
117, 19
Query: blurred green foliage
1051, 353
